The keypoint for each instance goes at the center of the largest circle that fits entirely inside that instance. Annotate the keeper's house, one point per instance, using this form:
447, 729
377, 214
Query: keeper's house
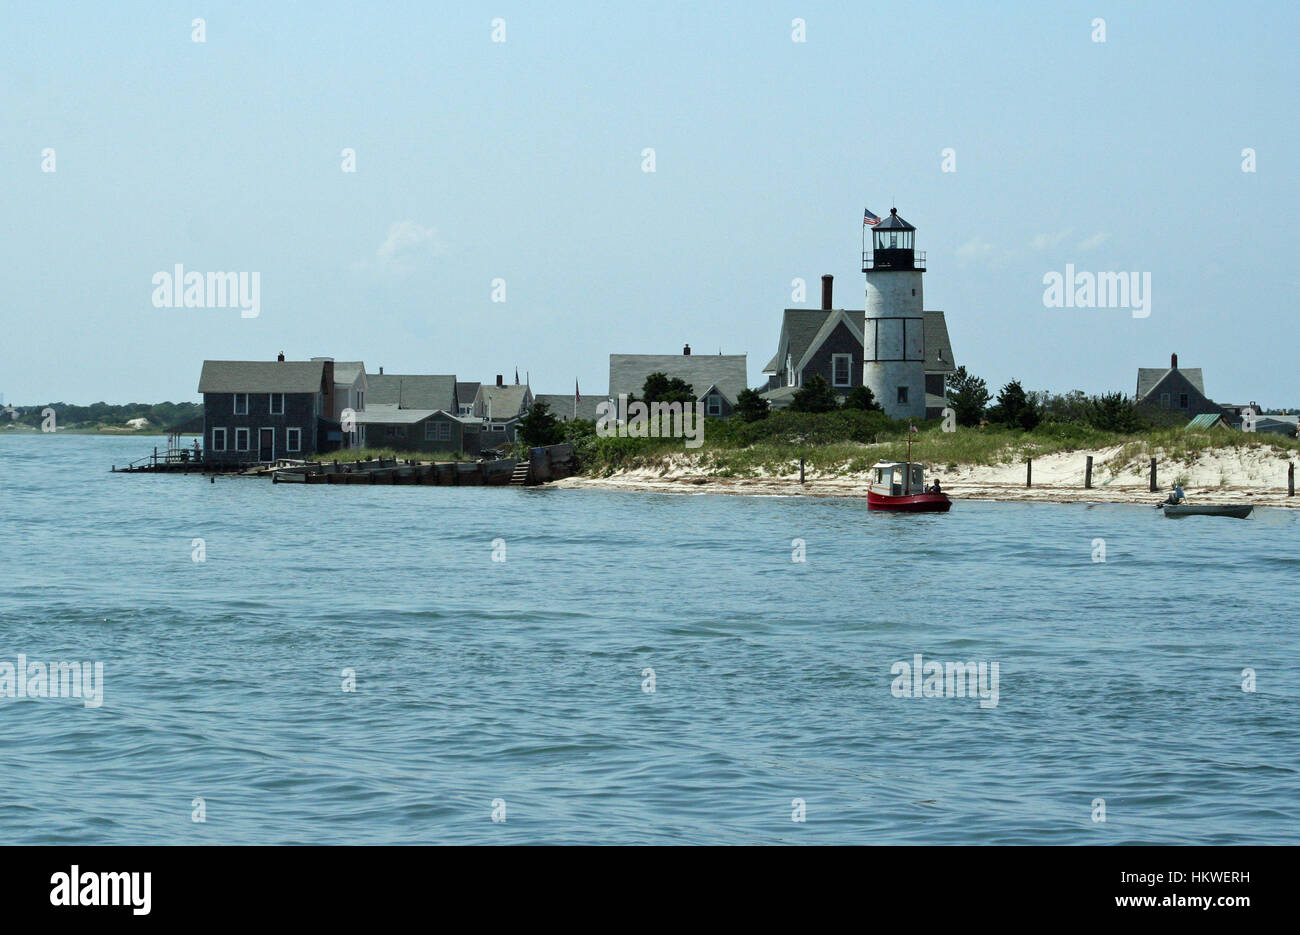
260, 411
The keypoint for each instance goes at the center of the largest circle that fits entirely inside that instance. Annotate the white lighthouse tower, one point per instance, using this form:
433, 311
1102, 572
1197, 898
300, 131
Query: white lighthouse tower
894, 337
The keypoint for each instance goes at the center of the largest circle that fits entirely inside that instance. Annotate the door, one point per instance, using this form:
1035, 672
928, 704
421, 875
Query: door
266, 445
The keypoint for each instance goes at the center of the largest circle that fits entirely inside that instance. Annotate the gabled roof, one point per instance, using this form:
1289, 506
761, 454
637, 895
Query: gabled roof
938, 349
465, 393
799, 326
347, 371
627, 372
262, 376
412, 390
561, 404
507, 401
834, 318
1207, 420
1151, 377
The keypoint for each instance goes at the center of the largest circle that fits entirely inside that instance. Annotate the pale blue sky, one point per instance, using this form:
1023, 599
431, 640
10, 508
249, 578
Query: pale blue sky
524, 159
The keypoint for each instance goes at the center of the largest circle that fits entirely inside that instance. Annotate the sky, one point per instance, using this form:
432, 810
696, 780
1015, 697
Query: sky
524, 160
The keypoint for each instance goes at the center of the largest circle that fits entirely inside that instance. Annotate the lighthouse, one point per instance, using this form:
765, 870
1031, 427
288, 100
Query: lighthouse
894, 336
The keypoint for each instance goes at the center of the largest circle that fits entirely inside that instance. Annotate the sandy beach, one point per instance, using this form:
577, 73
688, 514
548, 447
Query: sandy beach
1224, 475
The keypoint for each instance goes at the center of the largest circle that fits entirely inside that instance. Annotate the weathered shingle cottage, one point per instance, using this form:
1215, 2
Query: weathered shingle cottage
500, 407
715, 379
264, 410
417, 412
1178, 392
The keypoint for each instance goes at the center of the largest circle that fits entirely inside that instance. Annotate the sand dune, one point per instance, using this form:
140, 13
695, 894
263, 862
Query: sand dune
1221, 475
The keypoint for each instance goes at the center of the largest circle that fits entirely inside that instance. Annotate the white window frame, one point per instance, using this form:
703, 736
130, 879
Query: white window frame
713, 405
244, 446
238, 411
271, 404
215, 446
848, 369
289, 444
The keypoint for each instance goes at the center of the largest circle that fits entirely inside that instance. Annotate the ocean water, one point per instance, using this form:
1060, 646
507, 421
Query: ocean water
523, 682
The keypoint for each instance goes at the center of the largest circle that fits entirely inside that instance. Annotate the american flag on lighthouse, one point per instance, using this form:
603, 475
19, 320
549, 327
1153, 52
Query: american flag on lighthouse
869, 219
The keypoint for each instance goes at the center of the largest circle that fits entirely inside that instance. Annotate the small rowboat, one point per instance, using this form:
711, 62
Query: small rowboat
1179, 510
900, 486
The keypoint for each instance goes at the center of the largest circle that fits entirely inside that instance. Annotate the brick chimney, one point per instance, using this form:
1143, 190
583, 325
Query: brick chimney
686, 351
500, 381
1173, 361
827, 279
281, 357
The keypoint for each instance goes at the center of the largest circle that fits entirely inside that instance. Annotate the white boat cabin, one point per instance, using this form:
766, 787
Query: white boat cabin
890, 478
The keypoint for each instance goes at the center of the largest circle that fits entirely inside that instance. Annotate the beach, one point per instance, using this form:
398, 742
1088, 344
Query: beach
1219, 475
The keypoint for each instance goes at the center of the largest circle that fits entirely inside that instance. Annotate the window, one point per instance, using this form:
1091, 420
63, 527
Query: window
713, 404
902, 396
437, 431
277, 404
361, 399
218, 439
241, 439
840, 367
1182, 400
293, 439
1164, 400
401, 431
241, 404
789, 370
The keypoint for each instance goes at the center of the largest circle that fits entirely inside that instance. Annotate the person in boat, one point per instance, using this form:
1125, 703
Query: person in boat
1176, 494
935, 487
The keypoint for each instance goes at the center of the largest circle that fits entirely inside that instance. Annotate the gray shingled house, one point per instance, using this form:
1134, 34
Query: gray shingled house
350, 388
1174, 391
417, 412
500, 407
259, 411
828, 342
715, 379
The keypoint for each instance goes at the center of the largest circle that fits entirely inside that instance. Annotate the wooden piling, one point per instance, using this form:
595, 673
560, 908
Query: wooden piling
1154, 486
1029, 473
1087, 474
1290, 479
801, 470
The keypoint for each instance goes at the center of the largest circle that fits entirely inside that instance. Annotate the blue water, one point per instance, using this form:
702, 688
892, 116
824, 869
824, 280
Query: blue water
522, 680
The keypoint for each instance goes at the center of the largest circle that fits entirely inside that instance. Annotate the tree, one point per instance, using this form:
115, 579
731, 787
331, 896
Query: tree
660, 388
1113, 412
968, 395
1015, 407
750, 406
814, 396
861, 397
540, 428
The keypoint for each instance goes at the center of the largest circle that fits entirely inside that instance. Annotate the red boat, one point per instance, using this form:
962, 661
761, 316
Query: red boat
900, 486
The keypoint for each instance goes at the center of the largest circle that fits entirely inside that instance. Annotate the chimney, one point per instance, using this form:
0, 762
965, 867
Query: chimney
1173, 361
686, 351
499, 380
281, 357
381, 371
827, 279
